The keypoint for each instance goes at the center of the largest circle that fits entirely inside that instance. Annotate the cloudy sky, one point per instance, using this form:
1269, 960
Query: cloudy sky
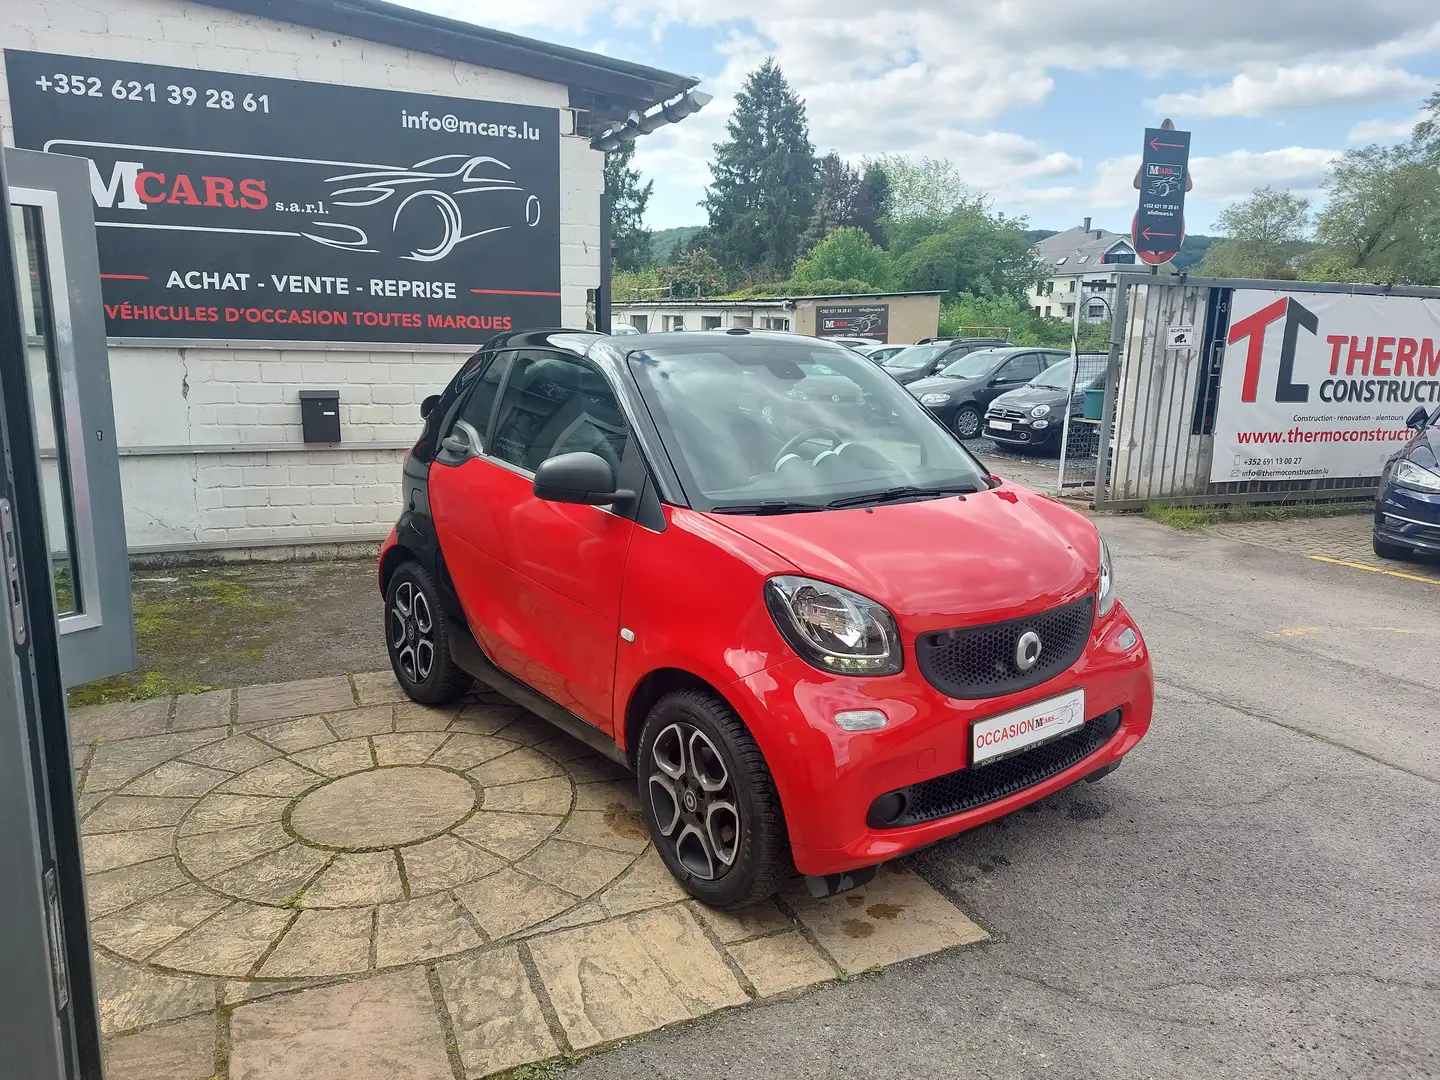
1040, 103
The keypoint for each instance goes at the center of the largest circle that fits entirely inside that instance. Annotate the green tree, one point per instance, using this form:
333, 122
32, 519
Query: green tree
762, 197
873, 202
837, 197
1264, 235
921, 198
694, 273
847, 254
629, 239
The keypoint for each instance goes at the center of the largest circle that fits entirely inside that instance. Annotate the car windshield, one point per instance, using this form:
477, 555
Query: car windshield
913, 357
973, 365
1058, 377
756, 424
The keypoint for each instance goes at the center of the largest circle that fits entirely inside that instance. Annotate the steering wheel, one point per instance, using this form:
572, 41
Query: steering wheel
791, 445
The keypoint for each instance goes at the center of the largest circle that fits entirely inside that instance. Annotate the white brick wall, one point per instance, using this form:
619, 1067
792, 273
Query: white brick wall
197, 397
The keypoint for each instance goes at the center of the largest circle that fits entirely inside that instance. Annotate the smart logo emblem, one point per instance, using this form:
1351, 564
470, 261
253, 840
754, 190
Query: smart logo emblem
1027, 651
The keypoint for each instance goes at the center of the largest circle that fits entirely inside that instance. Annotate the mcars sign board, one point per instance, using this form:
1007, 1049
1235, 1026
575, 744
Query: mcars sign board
231, 206
1319, 384
857, 320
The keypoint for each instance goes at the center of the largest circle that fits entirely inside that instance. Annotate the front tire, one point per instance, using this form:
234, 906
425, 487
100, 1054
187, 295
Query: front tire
417, 636
967, 422
710, 801
1390, 551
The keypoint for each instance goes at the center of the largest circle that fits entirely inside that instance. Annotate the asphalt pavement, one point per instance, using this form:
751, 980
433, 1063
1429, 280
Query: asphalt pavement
1255, 893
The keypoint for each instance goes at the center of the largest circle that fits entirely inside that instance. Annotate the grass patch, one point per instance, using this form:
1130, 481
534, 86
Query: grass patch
1197, 517
543, 1070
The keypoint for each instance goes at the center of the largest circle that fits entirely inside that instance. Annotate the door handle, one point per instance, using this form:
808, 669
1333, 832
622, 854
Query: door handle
12, 572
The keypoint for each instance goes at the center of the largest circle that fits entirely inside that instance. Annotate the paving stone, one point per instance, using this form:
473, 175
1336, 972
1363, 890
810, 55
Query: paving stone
109, 851
509, 901
384, 1028
274, 878
235, 754
239, 992
86, 803
550, 796
116, 764
496, 1016
745, 923
596, 768
228, 943
528, 729
580, 915
120, 720
412, 716
416, 930
515, 767
632, 974
177, 778
292, 735
132, 996
115, 889
510, 836
208, 854
562, 747
278, 778
648, 883
383, 807
607, 795
445, 862
377, 687
464, 751
122, 813
895, 917
783, 962
220, 810
334, 942
576, 868
355, 723
337, 759
183, 1051
411, 748
356, 881
617, 830
277, 701
484, 719
138, 931
210, 709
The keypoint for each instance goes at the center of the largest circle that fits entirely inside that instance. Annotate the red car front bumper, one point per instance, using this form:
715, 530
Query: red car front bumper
828, 778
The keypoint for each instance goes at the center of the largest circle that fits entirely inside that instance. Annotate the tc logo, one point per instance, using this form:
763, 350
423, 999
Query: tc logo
1253, 327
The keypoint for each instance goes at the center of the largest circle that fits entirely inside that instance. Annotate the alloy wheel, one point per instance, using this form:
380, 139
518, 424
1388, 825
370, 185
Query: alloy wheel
412, 632
967, 423
692, 798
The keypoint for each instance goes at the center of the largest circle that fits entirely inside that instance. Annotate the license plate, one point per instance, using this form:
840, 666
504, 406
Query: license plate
1022, 728
1001, 425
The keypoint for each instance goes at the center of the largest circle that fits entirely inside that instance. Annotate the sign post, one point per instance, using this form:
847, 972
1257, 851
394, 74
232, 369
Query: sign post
1163, 180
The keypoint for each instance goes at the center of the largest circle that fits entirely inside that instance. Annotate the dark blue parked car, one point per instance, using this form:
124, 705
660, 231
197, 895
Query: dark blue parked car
1407, 510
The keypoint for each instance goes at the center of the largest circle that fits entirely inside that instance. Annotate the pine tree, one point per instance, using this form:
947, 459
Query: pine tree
872, 201
762, 197
837, 197
629, 239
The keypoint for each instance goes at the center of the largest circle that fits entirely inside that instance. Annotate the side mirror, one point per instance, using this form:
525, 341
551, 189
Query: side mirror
1417, 419
581, 477
428, 406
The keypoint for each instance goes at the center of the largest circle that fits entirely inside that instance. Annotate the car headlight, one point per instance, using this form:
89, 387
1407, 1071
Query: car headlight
1107, 581
1408, 474
1040, 410
833, 628
934, 399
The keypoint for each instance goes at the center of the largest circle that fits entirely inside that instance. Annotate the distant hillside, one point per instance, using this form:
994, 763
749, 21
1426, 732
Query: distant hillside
662, 241
1193, 250
1036, 235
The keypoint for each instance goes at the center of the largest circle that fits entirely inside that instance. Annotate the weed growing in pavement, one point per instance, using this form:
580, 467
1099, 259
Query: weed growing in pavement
1197, 517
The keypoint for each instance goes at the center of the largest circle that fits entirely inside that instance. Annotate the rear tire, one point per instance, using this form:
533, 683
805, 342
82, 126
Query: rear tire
417, 636
967, 422
713, 812
1390, 551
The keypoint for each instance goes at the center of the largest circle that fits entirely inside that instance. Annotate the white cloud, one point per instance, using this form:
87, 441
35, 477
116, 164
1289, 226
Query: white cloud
1368, 131
1304, 86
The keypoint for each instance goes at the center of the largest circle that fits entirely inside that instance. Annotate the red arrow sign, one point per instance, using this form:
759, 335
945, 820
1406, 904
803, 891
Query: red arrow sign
1156, 144
1150, 234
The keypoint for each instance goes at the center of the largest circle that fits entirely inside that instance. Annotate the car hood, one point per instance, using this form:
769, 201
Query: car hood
1026, 396
939, 563
941, 384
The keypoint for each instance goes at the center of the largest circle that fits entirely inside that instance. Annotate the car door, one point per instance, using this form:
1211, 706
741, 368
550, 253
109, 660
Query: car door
1017, 371
541, 580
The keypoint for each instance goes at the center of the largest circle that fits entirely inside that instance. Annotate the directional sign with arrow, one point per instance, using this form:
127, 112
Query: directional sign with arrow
1163, 179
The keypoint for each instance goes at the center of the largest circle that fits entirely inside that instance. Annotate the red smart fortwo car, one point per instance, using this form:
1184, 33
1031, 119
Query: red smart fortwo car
756, 571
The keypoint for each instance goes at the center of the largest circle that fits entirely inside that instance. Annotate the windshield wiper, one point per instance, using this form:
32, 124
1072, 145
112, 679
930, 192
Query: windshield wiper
769, 506
905, 492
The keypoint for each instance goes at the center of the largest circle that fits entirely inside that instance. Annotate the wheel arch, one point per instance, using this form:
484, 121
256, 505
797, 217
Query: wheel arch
654, 686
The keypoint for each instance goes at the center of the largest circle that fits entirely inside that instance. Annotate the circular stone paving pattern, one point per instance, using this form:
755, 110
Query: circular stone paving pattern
334, 845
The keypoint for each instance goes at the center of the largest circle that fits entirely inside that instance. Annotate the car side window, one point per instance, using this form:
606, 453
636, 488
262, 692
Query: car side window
556, 404
1021, 369
477, 406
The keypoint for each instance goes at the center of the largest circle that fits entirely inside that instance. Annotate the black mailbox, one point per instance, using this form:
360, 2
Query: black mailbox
320, 415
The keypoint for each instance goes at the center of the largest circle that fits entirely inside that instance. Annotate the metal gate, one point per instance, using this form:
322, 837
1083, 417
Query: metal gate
1167, 347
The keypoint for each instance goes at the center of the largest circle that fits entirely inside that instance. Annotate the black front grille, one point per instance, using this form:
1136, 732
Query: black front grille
979, 661
969, 788
1005, 412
